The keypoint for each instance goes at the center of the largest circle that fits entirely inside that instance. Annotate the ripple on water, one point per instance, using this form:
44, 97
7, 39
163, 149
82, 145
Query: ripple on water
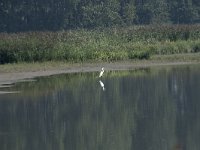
9, 92
4, 89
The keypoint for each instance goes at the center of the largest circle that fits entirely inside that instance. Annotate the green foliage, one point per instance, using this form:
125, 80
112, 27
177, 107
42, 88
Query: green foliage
158, 11
109, 44
101, 14
54, 15
196, 47
128, 13
184, 12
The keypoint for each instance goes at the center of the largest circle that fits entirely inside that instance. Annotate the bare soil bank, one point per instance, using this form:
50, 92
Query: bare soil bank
12, 77
16, 72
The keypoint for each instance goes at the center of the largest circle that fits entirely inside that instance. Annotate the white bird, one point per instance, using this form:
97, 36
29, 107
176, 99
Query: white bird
101, 73
102, 85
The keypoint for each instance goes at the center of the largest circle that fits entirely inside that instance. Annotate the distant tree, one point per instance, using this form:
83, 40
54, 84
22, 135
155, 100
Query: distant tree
183, 11
142, 12
27, 15
101, 13
128, 11
3, 15
159, 11
196, 6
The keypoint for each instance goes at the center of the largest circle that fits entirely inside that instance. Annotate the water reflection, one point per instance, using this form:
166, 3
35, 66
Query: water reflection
143, 109
6, 88
102, 85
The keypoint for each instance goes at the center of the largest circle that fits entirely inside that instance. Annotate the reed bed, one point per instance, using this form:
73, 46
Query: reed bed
110, 44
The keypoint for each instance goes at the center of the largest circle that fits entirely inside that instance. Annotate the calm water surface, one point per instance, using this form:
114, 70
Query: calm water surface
144, 109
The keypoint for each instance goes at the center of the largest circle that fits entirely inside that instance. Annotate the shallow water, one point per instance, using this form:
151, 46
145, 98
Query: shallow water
144, 109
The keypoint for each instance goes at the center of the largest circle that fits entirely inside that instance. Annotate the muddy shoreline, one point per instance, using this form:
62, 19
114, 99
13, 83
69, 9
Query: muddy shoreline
13, 77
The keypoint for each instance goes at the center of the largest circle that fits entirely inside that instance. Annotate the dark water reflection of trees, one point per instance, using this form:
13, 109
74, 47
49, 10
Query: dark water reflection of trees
146, 109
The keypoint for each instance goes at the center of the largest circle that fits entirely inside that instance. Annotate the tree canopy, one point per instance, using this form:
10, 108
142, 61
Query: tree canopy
28, 15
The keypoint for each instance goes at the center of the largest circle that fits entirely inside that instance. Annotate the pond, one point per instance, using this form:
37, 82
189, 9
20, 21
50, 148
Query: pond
154, 108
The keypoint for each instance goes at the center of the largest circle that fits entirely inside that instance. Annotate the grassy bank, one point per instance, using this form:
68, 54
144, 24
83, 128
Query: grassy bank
100, 44
63, 65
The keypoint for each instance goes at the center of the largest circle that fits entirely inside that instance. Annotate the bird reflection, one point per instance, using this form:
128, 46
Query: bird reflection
102, 85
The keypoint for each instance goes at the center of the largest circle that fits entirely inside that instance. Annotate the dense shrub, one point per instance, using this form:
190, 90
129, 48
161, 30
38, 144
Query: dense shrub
110, 44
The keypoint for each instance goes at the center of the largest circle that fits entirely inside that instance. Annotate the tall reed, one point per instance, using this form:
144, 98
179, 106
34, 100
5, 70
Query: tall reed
110, 44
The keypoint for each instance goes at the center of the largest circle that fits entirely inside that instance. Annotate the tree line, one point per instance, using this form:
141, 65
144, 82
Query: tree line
28, 15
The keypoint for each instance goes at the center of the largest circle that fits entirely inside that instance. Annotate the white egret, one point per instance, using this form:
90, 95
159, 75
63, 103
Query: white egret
101, 73
102, 85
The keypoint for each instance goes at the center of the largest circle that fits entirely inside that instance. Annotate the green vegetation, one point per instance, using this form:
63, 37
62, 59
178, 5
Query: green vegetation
54, 15
110, 44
